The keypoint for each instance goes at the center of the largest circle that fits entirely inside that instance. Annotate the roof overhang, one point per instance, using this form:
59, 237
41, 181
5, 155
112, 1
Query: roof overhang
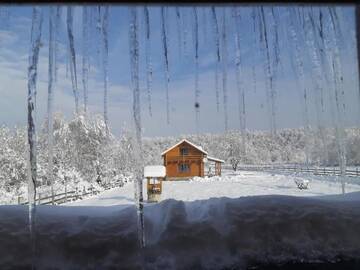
215, 159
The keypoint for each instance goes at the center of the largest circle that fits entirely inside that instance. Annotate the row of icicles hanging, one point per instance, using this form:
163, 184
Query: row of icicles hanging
314, 34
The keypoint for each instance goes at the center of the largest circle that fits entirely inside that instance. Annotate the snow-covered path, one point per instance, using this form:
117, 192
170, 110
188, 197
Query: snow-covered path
231, 185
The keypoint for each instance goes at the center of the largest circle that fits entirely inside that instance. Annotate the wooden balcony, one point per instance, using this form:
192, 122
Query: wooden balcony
184, 158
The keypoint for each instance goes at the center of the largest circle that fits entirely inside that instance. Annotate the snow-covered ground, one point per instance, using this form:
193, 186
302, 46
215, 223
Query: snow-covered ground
231, 185
199, 230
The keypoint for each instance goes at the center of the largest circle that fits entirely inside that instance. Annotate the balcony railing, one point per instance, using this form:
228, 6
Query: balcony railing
184, 157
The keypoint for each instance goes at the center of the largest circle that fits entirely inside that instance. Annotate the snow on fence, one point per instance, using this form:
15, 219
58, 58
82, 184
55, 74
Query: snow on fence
73, 195
355, 172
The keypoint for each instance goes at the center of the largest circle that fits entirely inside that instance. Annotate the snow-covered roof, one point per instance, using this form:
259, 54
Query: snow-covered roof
185, 140
154, 171
215, 159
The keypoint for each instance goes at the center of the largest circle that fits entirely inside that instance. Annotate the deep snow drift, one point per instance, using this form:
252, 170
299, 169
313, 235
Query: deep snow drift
207, 234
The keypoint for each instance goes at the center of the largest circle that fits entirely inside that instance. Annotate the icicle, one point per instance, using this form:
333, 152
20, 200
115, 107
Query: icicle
32, 165
339, 94
271, 93
322, 55
92, 35
167, 77
178, 25
216, 35
301, 81
85, 54
204, 24
185, 32
72, 63
357, 38
67, 62
196, 54
316, 67
276, 49
224, 67
134, 61
149, 71
240, 88
57, 41
105, 53
51, 77
98, 35
253, 68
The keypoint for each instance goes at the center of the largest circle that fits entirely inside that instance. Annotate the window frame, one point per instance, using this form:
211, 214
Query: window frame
184, 151
182, 166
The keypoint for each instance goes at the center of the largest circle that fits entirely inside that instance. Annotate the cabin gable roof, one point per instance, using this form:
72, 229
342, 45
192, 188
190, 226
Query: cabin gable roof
186, 141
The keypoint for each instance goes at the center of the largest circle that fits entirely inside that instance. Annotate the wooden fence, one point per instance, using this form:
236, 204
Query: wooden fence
67, 196
315, 170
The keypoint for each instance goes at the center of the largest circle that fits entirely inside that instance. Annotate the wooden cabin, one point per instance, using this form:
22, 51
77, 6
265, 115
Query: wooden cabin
185, 160
154, 175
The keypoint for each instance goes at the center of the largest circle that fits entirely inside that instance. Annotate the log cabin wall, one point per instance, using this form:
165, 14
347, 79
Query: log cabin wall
192, 160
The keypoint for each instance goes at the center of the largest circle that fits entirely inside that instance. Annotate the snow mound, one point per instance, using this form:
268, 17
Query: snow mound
209, 234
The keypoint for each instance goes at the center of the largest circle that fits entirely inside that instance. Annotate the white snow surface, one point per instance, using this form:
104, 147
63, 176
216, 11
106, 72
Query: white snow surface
231, 185
206, 230
155, 171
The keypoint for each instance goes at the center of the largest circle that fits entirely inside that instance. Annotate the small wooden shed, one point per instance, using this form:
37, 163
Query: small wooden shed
154, 175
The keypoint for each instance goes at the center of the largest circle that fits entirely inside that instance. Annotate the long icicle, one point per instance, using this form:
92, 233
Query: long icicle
357, 36
215, 28
196, 47
57, 42
72, 63
224, 63
85, 54
276, 49
166, 60
253, 67
301, 81
339, 95
134, 61
98, 34
149, 70
204, 24
319, 45
105, 55
51, 77
178, 29
185, 32
31, 129
240, 88
271, 93
318, 79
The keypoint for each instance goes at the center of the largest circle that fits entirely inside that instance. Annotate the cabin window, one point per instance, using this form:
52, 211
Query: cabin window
184, 167
184, 151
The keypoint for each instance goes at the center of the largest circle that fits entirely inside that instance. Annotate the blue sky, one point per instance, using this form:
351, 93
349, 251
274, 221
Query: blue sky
14, 44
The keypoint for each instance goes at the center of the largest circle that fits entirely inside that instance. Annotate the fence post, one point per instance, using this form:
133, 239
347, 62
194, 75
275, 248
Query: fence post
39, 202
53, 197
66, 198
324, 171
76, 193
357, 171
19, 199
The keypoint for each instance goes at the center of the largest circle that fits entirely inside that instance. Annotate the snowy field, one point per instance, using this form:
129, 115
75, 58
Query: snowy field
231, 185
203, 231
